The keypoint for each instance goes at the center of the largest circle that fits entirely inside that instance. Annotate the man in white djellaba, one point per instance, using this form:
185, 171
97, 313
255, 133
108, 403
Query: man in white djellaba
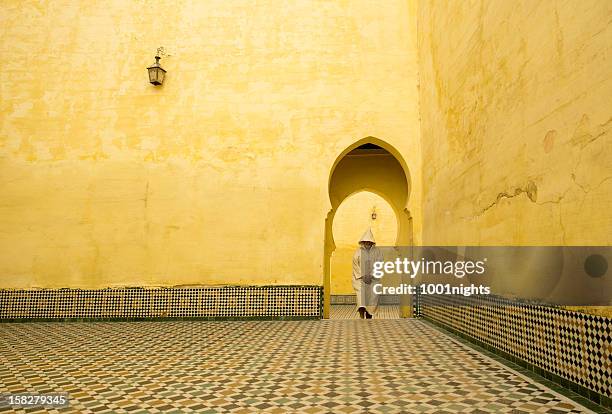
363, 262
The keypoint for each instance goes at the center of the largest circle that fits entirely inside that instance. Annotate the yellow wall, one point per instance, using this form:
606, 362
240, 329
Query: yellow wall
353, 218
516, 117
217, 177
221, 175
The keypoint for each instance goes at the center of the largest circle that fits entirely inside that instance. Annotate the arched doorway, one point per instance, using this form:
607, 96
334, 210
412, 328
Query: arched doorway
369, 164
358, 212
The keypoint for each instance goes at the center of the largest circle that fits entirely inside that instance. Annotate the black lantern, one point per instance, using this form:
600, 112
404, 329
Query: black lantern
156, 72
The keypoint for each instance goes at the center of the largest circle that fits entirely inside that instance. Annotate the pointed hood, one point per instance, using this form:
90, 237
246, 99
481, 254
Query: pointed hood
367, 237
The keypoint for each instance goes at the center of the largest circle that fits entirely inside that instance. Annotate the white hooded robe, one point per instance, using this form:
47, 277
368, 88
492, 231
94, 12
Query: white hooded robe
363, 262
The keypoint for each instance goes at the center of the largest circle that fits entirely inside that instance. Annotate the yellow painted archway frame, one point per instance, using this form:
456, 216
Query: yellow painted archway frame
398, 203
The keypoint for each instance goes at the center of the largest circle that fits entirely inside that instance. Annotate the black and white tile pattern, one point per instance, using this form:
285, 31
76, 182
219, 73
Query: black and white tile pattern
326, 366
572, 345
201, 302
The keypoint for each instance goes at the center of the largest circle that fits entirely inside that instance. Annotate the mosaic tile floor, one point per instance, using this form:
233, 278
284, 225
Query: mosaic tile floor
338, 366
350, 312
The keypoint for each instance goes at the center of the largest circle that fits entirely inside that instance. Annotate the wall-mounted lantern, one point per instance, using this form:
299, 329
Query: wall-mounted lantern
156, 72
374, 213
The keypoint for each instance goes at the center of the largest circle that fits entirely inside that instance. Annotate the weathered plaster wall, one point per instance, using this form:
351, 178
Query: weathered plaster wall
516, 109
353, 218
217, 177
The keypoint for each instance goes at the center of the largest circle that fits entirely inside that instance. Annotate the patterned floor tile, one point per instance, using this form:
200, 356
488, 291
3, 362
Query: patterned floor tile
329, 366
